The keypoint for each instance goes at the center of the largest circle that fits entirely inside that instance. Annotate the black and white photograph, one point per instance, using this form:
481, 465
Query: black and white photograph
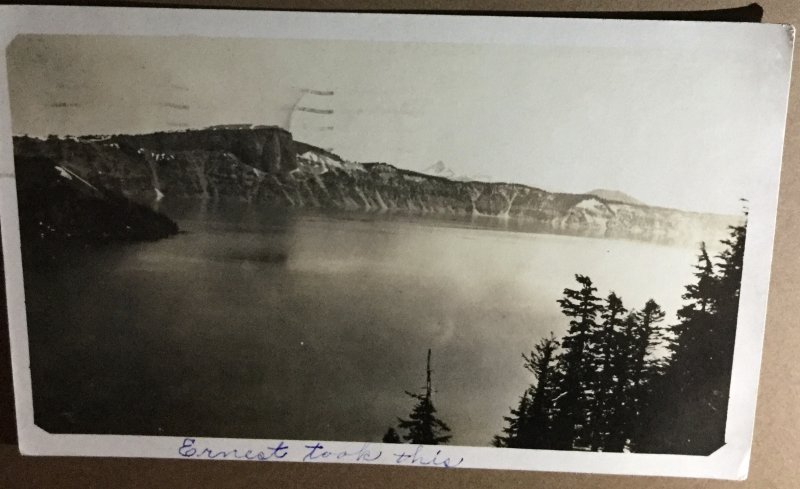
543, 248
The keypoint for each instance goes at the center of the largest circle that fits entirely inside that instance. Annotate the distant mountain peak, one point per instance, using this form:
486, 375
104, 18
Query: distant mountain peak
439, 169
615, 195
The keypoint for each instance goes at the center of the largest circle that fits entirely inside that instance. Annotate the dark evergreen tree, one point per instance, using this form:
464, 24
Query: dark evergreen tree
424, 427
605, 358
695, 317
619, 423
637, 359
530, 424
647, 336
576, 367
515, 422
391, 436
535, 433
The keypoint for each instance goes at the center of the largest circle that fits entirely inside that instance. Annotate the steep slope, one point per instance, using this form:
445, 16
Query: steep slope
264, 165
59, 209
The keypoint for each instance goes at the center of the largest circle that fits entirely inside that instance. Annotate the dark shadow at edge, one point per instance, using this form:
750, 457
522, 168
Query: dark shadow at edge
752, 12
8, 425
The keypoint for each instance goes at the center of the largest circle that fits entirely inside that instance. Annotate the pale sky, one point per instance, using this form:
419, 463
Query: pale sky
670, 127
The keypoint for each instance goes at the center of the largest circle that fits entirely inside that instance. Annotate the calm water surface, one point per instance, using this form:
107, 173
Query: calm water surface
262, 324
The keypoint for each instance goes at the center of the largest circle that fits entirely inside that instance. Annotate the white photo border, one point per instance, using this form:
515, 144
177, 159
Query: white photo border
729, 462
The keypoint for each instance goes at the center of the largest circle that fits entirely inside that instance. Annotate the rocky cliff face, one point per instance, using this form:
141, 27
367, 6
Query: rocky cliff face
192, 163
264, 165
59, 210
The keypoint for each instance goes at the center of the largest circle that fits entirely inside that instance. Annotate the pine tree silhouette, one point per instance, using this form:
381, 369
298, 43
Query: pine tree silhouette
576, 368
424, 427
515, 423
620, 418
647, 336
536, 432
530, 424
606, 342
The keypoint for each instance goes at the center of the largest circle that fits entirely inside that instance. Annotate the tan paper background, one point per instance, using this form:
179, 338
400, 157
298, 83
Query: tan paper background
776, 454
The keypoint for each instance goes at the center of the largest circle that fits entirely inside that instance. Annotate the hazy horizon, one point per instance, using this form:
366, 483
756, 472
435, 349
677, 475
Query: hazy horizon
657, 125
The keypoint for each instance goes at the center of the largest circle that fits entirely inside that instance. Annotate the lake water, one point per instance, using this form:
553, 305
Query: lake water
261, 324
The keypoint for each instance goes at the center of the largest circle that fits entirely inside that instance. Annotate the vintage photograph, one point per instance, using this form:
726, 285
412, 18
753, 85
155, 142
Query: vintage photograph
485, 245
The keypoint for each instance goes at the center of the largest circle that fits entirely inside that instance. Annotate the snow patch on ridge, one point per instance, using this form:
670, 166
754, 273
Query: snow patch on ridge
592, 204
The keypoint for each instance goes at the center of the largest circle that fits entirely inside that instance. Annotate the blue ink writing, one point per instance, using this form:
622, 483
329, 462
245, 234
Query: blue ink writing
189, 450
317, 452
417, 458
364, 454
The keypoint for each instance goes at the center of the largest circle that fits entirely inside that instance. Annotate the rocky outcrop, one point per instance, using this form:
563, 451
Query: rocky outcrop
60, 210
263, 165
